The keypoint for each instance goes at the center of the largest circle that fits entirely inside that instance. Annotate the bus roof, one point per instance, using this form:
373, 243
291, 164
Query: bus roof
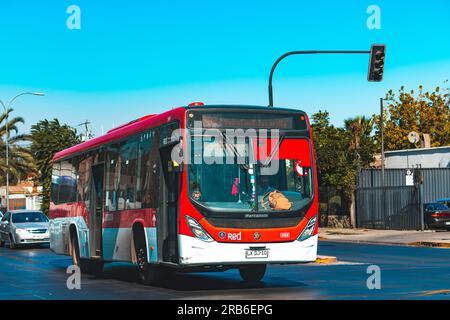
148, 121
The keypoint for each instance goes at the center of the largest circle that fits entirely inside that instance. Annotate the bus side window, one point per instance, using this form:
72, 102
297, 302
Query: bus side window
127, 159
67, 182
83, 178
148, 170
112, 177
56, 172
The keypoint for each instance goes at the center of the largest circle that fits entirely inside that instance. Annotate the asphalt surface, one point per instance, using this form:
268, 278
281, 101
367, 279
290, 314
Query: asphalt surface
406, 273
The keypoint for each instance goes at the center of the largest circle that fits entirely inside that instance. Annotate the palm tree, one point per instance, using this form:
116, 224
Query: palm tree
359, 127
21, 162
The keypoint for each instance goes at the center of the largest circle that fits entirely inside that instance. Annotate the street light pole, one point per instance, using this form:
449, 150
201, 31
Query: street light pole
6, 108
382, 139
304, 52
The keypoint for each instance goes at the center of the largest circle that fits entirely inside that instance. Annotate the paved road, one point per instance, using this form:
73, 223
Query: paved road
406, 273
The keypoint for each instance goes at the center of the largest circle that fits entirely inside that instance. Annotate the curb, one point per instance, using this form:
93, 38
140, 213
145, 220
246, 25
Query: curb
429, 244
326, 259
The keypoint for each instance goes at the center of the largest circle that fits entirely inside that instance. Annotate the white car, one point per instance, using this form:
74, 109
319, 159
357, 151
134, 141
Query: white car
23, 227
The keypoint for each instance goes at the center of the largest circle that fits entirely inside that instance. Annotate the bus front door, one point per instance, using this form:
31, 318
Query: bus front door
168, 218
96, 211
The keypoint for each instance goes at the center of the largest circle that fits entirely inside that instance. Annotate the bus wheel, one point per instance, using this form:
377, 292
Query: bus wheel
148, 273
252, 273
95, 267
83, 264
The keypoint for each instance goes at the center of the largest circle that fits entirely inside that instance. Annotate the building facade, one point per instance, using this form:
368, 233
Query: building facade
438, 157
25, 195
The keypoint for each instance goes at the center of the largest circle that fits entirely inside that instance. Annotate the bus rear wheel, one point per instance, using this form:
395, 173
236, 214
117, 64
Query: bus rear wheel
252, 273
88, 266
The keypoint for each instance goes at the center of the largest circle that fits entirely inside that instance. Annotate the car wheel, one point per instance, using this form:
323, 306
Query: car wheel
252, 273
12, 244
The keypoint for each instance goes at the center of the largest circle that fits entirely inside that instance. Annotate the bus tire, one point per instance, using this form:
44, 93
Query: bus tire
149, 274
95, 267
252, 273
83, 264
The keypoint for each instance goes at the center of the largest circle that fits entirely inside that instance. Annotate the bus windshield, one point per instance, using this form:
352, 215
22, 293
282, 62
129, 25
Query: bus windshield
224, 186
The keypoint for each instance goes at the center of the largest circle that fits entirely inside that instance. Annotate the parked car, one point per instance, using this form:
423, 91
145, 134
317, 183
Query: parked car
437, 216
23, 227
445, 201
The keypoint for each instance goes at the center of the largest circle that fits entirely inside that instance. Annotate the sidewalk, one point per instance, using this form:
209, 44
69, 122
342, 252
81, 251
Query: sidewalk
413, 238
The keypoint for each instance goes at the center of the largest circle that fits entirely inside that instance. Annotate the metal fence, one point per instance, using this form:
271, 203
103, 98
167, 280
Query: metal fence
388, 208
436, 181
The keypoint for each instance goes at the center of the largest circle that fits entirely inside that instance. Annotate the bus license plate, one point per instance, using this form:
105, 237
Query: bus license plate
256, 253
447, 223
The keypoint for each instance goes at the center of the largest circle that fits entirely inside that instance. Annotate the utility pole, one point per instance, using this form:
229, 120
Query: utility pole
87, 131
383, 191
382, 140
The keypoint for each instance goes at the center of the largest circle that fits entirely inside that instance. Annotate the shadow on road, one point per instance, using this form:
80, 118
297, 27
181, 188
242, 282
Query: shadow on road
228, 280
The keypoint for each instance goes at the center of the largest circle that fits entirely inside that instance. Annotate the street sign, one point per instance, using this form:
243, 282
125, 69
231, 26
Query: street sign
413, 137
409, 177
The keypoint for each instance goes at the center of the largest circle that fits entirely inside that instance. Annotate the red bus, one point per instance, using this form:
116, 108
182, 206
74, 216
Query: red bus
196, 188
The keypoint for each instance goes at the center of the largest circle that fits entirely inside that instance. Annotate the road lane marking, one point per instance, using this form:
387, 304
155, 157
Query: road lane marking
434, 292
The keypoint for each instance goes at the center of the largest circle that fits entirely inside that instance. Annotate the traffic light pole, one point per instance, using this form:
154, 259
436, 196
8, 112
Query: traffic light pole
303, 52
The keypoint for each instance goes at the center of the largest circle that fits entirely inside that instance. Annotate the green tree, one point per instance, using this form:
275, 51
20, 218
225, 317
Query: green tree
21, 162
362, 142
49, 137
331, 147
424, 112
341, 152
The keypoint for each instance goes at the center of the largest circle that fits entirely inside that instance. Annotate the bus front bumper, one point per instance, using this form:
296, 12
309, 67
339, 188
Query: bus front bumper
197, 252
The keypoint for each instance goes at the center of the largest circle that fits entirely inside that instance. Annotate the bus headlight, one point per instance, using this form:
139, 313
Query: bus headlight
309, 229
197, 230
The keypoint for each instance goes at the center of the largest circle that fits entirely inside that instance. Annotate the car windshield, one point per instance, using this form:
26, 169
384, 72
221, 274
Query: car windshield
24, 217
222, 186
440, 206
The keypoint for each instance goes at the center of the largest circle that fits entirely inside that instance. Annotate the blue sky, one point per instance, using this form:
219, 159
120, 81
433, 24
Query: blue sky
132, 58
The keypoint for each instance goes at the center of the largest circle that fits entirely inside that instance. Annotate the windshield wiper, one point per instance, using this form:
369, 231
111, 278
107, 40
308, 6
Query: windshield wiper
233, 149
274, 151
